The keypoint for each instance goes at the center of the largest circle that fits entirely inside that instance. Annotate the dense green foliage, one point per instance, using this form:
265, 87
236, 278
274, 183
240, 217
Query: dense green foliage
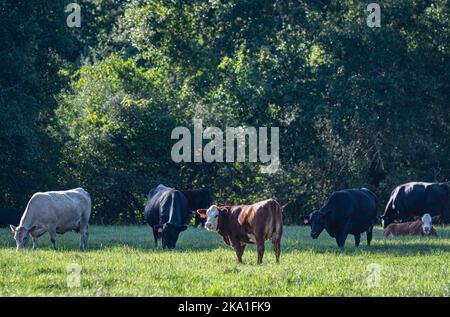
123, 262
95, 106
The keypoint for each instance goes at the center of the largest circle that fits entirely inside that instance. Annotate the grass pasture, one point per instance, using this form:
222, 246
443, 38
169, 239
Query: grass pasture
121, 261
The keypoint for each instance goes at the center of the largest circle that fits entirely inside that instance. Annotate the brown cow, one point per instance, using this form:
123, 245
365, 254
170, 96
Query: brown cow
239, 225
422, 226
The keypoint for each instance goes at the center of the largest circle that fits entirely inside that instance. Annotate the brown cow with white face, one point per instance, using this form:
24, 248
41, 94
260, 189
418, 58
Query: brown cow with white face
243, 224
422, 226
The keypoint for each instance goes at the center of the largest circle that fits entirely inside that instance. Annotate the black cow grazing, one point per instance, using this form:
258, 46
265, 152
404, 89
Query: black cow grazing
166, 212
198, 199
416, 199
348, 211
10, 216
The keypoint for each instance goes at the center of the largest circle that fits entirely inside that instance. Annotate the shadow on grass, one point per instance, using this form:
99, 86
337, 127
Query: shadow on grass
295, 239
385, 249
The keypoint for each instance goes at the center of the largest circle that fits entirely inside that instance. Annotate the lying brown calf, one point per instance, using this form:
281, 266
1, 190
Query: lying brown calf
420, 227
239, 225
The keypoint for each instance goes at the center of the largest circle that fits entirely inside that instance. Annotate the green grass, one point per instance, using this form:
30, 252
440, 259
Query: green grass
121, 261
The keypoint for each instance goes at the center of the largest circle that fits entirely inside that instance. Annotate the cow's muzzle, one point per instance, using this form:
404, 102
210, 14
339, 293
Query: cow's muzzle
210, 227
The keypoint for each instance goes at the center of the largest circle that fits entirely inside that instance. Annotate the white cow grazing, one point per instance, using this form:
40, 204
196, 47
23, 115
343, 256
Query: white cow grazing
54, 212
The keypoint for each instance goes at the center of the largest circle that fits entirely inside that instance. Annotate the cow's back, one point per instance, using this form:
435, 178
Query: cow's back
357, 206
167, 205
437, 198
352, 201
367, 202
265, 216
64, 208
417, 198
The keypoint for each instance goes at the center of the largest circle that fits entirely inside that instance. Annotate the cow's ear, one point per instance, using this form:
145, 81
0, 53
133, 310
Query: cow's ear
222, 209
201, 213
13, 228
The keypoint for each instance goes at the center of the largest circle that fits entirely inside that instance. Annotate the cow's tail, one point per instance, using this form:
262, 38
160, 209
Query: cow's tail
278, 217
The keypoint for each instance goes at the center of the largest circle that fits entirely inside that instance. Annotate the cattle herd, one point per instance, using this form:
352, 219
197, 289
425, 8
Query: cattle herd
348, 211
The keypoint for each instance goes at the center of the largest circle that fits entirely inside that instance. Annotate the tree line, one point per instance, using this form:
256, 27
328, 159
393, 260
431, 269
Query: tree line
95, 106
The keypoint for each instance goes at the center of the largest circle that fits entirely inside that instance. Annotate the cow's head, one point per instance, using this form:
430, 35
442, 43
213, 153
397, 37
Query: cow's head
212, 217
389, 217
426, 224
20, 235
317, 221
169, 233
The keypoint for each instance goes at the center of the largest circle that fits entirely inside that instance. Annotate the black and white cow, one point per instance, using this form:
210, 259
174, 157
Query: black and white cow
167, 213
416, 199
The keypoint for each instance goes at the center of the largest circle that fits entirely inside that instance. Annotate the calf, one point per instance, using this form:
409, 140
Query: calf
420, 227
243, 224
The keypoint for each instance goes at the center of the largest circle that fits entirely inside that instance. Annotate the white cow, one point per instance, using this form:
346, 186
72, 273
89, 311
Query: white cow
54, 212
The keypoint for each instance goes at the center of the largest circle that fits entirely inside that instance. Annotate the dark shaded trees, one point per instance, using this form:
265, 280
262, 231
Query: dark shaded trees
356, 106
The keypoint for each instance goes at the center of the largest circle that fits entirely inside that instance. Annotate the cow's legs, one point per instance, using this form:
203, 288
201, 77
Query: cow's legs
341, 239
337, 242
369, 235
357, 239
276, 242
84, 235
260, 249
35, 245
52, 233
239, 251
342, 236
155, 236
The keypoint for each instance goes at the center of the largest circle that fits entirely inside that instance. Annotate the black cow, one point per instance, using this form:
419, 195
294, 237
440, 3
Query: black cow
166, 212
416, 199
198, 199
348, 211
10, 216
